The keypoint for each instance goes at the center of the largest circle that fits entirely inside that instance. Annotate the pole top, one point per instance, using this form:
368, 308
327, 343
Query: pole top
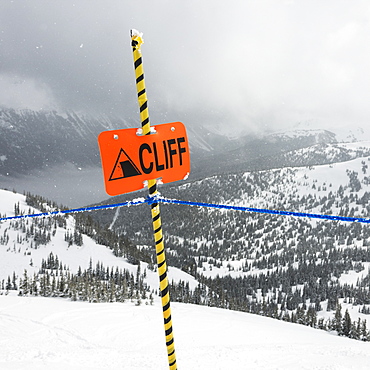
137, 39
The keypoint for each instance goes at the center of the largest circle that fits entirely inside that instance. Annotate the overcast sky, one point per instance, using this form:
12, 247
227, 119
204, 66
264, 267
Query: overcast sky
266, 64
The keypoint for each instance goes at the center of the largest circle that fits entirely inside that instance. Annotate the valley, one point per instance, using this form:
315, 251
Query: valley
299, 270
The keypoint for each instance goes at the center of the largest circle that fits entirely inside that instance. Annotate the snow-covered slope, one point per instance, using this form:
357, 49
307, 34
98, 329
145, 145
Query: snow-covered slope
286, 263
45, 333
18, 249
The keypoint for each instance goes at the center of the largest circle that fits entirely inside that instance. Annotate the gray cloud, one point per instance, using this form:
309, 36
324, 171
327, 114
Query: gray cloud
251, 64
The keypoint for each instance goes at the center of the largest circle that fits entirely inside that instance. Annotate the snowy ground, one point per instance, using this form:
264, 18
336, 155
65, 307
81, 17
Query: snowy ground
47, 333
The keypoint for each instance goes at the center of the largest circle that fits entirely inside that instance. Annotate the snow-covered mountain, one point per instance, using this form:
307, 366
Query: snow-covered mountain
56, 154
272, 265
296, 270
45, 152
34, 140
218, 250
251, 152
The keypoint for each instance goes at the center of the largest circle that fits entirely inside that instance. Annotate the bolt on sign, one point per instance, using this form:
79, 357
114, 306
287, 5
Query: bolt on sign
129, 159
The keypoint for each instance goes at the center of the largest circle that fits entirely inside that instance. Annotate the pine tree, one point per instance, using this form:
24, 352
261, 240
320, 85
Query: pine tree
321, 324
311, 317
355, 329
301, 319
364, 334
8, 284
337, 321
346, 325
24, 285
62, 285
14, 282
34, 286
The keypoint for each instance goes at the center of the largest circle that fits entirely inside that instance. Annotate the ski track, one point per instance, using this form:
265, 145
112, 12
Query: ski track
116, 214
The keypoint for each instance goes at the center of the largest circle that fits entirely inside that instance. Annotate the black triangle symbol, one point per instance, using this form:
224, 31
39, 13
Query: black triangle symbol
124, 167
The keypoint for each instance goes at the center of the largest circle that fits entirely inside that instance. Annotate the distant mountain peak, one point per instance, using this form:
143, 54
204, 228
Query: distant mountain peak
319, 135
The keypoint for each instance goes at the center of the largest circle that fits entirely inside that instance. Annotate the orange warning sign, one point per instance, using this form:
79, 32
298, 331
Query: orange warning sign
129, 159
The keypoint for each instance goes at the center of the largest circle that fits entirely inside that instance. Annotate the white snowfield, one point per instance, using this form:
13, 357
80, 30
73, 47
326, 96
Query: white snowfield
48, 333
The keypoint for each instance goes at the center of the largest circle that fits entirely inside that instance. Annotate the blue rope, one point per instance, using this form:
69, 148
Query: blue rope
258, 210
159, 199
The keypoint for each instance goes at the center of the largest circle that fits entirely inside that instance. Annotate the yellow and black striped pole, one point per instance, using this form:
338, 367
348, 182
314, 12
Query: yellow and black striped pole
136, 42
